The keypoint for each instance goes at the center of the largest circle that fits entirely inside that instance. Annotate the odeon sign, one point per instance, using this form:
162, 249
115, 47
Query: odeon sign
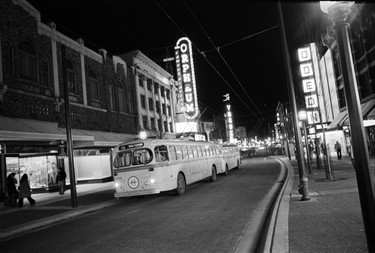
186, 77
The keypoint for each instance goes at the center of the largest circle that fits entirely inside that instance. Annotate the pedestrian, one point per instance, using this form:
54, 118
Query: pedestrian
60, 179
11, 190
338, 150
311, 149
25, 191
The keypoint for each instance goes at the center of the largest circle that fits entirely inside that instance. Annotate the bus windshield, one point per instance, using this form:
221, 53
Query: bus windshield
133, 157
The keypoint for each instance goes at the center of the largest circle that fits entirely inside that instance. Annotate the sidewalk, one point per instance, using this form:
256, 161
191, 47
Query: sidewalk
331, 221
52, 207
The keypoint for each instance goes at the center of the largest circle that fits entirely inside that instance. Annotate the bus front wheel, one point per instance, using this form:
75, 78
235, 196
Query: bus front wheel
213, 175
181, 184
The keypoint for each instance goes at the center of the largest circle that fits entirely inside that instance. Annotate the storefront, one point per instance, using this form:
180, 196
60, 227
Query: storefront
39, 160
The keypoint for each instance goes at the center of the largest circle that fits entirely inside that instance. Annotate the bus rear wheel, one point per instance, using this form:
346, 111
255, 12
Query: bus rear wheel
213, 175
181, 185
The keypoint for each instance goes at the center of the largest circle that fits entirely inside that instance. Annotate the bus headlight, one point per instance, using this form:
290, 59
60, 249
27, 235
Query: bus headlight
150, 181
118, 185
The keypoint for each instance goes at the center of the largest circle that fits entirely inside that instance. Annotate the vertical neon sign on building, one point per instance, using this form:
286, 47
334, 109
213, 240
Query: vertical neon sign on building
228, 118
186, 78
309, 80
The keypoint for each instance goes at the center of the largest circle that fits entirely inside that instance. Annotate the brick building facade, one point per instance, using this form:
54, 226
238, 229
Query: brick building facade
101, 90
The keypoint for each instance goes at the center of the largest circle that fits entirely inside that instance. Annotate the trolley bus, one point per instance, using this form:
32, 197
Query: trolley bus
231, 158
151, 166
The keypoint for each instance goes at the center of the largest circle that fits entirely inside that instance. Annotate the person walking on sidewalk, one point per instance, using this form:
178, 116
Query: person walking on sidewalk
25, 191
338, 150
60, 179
11, 190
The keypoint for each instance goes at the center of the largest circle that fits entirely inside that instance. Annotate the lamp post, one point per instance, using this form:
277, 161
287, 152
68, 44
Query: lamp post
302, 115
338, 12
304, 190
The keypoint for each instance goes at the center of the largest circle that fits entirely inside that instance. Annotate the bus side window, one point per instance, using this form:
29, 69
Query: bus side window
179, 152
195, 151
161, 153
185, 152
190, 152
200, 154
172, 153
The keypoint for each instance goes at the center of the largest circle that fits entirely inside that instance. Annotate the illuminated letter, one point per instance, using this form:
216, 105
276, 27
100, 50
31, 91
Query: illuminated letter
186, 77
189, 97
184, 48
189, 107
185, 67
184, 58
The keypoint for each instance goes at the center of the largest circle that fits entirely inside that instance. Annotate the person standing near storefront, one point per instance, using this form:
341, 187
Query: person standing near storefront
25, 191
60, 179
338, 150
12, 193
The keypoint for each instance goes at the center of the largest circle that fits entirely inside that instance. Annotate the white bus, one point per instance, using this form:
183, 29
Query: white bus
231, 158
151, 166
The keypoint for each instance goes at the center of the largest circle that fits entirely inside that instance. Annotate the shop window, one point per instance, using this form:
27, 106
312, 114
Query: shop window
28, 61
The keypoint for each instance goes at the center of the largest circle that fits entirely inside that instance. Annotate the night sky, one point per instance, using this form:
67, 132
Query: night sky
237, 44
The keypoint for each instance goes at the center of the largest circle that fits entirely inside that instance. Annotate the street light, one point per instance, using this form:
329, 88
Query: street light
302, 115
338, 12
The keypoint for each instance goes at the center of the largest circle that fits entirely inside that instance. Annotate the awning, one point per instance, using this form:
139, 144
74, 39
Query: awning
366, 109
15, 129
343, 119
338, 119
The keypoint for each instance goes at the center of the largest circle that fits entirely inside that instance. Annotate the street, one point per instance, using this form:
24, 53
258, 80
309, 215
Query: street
209, 217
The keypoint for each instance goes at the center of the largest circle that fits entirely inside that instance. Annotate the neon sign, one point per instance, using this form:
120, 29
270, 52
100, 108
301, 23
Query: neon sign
186, 77
307, 70
228, 117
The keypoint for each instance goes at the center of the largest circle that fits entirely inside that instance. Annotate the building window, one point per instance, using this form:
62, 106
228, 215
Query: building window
170, 127
94, 85
143, 101
144, 122
149, 84
168, 93
152, 121
157, 104
164, 109
140, 80
151, 104
156, 88
44, 71
165, 126
169, 110
160, 127
71, 77
28, 61
162, 91
122, 98
111, 89
130, 101
9, 60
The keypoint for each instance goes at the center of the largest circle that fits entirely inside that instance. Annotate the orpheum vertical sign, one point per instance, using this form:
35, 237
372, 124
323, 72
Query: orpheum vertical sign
310, 77
186, 78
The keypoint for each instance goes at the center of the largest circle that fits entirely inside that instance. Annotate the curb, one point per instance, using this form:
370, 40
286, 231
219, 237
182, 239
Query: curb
263, 216
44, 222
